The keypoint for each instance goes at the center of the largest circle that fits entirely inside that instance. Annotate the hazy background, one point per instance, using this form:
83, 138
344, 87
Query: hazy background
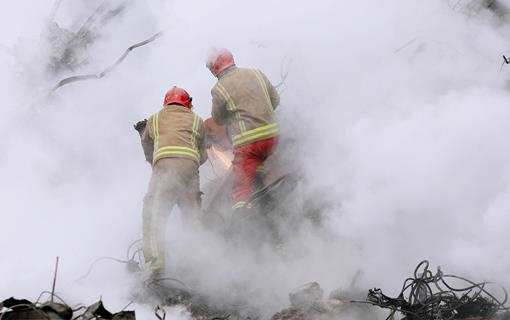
401, 110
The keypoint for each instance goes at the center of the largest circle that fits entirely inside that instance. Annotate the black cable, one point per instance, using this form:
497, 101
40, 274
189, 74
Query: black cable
130, 259
429, 296
49, 293
131, 245
101, 259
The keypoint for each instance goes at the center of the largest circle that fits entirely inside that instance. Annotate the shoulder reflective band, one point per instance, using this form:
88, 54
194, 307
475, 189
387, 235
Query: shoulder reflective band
262, 83
231, 106
230, 103
194, 132
259, 133
155, 128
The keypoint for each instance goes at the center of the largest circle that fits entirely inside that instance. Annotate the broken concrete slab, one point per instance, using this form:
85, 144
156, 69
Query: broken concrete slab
22, 309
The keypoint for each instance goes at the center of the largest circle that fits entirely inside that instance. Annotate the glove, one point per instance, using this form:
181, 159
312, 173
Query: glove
140, 126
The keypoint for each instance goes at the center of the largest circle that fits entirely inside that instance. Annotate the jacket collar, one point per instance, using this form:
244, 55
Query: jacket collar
227, 71
178, 107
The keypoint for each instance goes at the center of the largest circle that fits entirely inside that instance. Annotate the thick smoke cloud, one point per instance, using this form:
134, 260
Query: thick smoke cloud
400, 113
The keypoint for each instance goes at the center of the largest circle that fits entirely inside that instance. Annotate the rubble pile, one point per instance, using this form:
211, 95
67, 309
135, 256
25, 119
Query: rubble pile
168, 294
22, 309
308, 303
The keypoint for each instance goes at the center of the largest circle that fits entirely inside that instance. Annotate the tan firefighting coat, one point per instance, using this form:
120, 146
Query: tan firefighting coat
244, 100
174, 132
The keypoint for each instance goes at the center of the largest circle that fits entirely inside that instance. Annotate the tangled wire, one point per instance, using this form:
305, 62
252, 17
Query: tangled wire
133, 261
429, 296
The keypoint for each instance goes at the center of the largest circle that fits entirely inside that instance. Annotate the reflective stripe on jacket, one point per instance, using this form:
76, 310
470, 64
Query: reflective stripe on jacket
244, 100
175, 132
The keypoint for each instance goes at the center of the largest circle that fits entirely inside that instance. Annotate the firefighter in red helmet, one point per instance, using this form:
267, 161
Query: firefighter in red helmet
244, 100
173, 143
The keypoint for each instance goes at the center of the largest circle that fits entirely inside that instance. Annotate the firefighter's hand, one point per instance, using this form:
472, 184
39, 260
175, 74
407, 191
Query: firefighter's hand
140, 126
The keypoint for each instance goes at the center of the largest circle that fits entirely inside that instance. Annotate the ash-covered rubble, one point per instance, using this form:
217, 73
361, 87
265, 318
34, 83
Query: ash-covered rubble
170, 292
306, 303
309, 303
22, 309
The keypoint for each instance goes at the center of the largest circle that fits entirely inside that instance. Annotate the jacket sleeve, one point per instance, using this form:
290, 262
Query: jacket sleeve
147, 142
219, 110
202, 144
273, 93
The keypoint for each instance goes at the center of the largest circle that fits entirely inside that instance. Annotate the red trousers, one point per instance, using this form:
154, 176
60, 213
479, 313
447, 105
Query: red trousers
247, 159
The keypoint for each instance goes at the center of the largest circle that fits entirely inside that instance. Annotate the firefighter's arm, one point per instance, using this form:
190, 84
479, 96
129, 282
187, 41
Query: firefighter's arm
273, 93
202, 144
218, 110
140, 126
147, 144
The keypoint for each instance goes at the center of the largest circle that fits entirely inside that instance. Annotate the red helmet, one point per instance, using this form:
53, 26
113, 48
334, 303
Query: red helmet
219, 60
177, 95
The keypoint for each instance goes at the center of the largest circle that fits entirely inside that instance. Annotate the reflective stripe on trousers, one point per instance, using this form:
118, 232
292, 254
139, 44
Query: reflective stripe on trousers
173, 181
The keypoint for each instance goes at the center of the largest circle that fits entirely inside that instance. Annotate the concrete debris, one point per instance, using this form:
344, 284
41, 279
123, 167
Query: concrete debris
98, 311
306, 295
57, 310
22, 309
169, 296
308, 303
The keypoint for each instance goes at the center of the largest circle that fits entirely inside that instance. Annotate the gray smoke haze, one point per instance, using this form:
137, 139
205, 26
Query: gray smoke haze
399, 109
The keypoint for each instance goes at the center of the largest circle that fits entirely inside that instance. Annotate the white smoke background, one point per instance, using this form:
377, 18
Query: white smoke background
400, 113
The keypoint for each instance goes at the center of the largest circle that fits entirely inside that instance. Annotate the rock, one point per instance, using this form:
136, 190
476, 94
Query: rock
306, 296
290, 314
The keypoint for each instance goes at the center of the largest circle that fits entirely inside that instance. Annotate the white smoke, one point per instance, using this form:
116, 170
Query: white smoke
400, 113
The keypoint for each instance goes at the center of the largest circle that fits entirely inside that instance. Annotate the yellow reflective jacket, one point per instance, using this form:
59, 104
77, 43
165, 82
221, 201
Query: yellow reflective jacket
245, 100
